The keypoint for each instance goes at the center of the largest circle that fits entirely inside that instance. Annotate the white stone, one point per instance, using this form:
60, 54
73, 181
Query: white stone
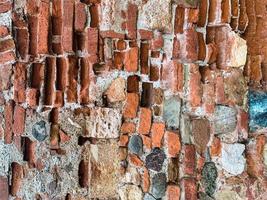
116, 90
130, 192
151, 15
104, 122
238, 54
232, 159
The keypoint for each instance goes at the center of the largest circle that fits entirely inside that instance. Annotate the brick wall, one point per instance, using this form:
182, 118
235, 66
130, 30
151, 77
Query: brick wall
131, 100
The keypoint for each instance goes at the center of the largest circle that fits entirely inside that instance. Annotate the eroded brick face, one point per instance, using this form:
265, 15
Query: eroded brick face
132, 100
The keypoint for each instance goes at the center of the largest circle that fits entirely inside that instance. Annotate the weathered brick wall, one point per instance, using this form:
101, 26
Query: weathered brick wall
133, 99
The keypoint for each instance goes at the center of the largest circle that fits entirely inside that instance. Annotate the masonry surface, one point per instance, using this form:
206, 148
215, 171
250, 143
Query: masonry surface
133, 99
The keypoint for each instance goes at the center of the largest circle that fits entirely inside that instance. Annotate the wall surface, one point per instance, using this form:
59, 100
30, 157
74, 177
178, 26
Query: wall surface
133, 99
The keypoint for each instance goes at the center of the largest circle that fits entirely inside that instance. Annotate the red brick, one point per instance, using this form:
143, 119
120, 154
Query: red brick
121, 45
157, 42
72, 79
128, 127
147, 142
189, 189
189, 44
49, 91
29, 151
203, 11
6, 6
226, 11
131, 15
92, 40
132, 102
173, 75
195, 90
111, 34
43, 27
80, 16
173, 192
8, 114
17, 176
19, 120
209, 98
118, 60
32, 97
94, 15
135, 160
3, 31
243, 118
7, 57
145, 121
86, 70
146, 180
20, 76
33, 33
123, 140
131, 60
4, 188
189, 159
173, 143
144, 50
157, 132
145, 34
179, 20
22, 44
68, 11
219, 90
6, 45
5, 77
216, 147
254, 156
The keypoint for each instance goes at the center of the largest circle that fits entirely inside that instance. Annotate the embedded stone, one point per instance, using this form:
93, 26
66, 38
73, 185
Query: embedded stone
39, 131
224, 119
148, 197
116, 90
155, 159
201, 134
130, 192
104, 172
257, 110
227, 194
171, 112
232, 159
209, 176
150, 16
136, 145
159, 185
104, 123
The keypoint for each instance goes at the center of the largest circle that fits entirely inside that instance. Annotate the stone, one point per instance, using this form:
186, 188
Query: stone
201, 134
224, 119
209, 176
39, 131
116, 90
265, 155
103, 171
155, 159
104, 123
136, 145
232, 159
150, 16
132, 176
257, 110
130, 192
227, 195
171, 112
235, 86
148, 197
158, 185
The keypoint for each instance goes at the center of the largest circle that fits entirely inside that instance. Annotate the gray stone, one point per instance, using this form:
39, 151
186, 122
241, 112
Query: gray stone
209, 176
224, 119
155, 159
39, 131
158, 185
136, 145
171, 112
148, 197
232, 159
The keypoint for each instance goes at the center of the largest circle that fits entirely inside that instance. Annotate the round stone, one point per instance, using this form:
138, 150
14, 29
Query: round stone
39, 131
155, 159
159, 185
136, 145
148, 197
209, 176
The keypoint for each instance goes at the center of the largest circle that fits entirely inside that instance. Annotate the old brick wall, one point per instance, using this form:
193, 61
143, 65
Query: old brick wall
133, 99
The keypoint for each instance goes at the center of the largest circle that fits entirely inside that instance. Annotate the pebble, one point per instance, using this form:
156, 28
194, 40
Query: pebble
209, 176
158, 185
39, 131
155, 159
136, 145
171, 112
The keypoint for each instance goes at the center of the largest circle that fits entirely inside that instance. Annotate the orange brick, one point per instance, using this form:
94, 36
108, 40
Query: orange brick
157, 132
144, 121
173, 143
132, 102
